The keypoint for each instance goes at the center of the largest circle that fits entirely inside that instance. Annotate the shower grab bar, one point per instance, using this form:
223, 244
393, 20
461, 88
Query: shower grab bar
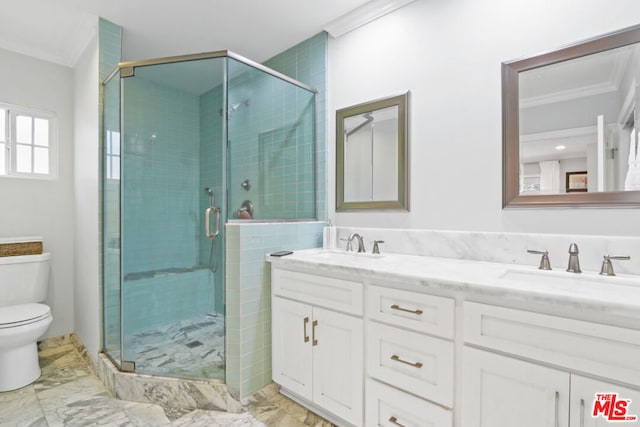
207, 222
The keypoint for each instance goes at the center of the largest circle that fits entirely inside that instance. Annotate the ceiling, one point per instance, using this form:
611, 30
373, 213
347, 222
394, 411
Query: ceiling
59, 30
576, 78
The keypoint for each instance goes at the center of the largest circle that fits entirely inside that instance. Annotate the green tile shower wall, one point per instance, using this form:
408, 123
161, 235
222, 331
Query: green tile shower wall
170, 144
249, 296
161, 191
307, 63
167, 298
110, 47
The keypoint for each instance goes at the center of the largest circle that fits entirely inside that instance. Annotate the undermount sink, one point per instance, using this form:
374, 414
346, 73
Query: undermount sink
562, 278
331, 253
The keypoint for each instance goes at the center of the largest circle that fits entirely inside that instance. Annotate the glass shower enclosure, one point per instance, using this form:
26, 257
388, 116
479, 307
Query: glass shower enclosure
191, 143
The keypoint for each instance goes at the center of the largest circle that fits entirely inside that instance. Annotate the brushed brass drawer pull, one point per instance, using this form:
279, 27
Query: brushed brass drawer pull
313, 332
394, 420
414, 364
306, 337
406, 310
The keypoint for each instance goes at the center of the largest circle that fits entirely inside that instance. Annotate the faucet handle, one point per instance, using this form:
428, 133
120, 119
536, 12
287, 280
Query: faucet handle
607, 266
544, 261
376, 248
349, 248
573, 249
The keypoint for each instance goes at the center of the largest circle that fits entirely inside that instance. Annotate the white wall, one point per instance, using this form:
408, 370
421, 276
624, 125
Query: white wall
86, 185
43, 207
448, 54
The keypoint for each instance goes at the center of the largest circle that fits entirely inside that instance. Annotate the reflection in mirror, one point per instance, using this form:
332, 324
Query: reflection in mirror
571, 124
371, 155
370, 144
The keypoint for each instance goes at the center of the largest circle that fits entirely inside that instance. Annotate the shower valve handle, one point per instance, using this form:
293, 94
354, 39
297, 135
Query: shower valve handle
207, 222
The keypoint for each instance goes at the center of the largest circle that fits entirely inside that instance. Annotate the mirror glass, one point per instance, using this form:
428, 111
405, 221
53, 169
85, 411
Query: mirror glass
571, 129
371, 155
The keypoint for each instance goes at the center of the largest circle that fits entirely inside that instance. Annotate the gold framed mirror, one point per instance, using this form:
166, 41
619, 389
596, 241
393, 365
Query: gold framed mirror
372, 155
573, 112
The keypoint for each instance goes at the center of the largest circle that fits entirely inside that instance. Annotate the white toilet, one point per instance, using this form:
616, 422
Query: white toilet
23, 284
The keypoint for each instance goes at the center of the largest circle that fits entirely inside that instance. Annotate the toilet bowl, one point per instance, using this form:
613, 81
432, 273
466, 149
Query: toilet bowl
23, 285
20, 327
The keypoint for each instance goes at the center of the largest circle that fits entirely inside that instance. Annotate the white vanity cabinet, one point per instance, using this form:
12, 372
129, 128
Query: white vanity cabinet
382, 350
318, 351
503, 390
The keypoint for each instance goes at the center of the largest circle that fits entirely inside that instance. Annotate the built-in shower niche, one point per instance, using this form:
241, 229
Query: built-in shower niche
176, 127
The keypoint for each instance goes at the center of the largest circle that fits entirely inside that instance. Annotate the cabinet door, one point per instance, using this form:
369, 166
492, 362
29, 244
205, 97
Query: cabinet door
583, 396
338, 382
291, 342
500, 391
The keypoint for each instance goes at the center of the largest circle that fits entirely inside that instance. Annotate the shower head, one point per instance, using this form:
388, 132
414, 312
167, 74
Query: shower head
234, 107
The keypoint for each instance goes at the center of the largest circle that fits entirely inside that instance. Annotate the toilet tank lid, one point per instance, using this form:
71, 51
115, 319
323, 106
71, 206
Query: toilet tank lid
19, 259
29, 239
14, 314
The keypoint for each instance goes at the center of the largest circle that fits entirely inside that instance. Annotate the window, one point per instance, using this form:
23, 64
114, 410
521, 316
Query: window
112, 161
27, 143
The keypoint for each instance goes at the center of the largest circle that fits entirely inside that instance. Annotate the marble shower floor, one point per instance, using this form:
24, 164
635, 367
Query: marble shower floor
188, 349
69, 394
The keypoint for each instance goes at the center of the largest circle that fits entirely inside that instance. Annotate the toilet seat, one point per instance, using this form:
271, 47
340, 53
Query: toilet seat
22, 314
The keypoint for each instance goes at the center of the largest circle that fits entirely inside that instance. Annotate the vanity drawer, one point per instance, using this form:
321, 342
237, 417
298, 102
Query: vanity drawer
336, 294
388, 407
412, 310
608, 351
417, 363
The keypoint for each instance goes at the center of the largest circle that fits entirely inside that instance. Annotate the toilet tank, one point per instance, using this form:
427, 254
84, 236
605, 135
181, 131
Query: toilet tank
24, 278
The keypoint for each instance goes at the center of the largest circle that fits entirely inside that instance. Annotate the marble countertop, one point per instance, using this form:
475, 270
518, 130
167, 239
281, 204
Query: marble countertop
586, 295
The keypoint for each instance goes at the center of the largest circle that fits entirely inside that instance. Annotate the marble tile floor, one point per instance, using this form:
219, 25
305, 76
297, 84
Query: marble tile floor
188, 349
69, 394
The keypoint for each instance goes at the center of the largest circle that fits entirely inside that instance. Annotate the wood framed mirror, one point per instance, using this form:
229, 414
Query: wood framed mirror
571, 110
372, 155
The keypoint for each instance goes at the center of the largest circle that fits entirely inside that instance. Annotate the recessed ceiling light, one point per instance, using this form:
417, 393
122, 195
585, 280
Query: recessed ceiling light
560, 147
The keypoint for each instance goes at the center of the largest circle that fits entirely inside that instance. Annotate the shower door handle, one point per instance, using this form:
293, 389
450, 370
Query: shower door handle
207, 222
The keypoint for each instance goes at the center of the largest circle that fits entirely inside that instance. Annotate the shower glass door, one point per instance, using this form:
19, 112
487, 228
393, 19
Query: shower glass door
173, 129
112, 335
271, 134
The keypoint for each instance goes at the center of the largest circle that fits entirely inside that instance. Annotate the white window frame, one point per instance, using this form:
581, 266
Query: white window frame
110, 140
12, 111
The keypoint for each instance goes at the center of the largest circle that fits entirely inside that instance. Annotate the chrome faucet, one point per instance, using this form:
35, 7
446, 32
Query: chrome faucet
574, 262
360, 242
